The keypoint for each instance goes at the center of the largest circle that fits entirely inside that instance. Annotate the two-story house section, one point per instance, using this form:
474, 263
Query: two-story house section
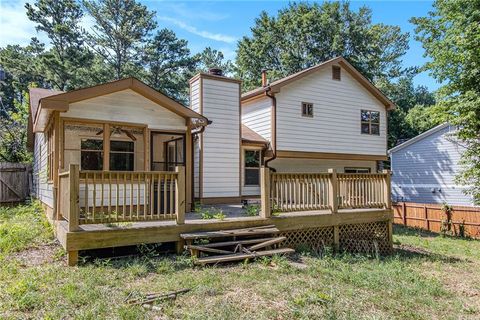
326, 116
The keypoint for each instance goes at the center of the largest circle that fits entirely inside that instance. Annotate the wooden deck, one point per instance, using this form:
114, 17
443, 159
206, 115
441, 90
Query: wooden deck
94, 236
351, 211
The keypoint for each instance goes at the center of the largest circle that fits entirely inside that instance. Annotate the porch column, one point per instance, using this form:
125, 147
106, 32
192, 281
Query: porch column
180, 194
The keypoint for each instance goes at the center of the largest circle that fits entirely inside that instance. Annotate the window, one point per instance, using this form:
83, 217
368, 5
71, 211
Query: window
50, 152
357, 170
121, 155
252, 167
307, 109
336, 73
370, 122
92, 154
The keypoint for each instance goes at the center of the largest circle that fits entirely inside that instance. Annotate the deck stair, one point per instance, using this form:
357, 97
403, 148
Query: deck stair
234, 245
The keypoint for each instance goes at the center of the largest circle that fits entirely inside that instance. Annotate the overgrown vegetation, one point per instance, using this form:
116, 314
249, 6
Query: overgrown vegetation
426, 271
22, 227
209, 212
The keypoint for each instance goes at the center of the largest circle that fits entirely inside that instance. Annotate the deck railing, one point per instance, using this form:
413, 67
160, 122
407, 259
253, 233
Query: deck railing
89, 197
299, 192
288, 192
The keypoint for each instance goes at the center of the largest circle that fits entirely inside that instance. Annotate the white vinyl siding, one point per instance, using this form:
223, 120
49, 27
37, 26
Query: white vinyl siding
42, 190
195, 106
319, 165
126, 106
335, 125
221, 139
257, 115
425, 170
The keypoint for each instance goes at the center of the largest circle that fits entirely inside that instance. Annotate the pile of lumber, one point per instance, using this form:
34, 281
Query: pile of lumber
234, 245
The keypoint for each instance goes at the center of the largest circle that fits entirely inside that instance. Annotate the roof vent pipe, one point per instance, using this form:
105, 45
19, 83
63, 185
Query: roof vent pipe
215, 71
264, 78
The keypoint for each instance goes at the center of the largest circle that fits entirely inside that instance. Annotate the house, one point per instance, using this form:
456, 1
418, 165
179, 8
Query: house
424, 168
306, 145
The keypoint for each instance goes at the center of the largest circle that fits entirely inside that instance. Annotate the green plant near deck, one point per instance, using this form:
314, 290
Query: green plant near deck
252, 210
211, 213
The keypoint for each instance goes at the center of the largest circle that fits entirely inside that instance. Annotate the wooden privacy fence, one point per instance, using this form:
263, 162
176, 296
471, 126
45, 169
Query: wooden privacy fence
430, 217
87, 197
14, 182
287, 192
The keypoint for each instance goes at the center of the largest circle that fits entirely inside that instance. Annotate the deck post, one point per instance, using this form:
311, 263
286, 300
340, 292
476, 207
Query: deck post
180, 194
333, 190
265, 192
387, 188
72, 258
74, 188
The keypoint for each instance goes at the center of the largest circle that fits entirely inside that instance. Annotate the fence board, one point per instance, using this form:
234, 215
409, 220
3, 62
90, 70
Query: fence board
430, 216
14, 182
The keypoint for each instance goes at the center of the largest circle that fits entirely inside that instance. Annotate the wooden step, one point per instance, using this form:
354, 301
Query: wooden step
271, 229
242, 256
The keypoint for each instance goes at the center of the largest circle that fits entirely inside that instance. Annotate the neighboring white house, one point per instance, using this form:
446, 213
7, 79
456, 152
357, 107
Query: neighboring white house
424, 168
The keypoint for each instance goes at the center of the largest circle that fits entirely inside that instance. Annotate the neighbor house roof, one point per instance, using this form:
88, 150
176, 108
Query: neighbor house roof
42, 106
419, 137
276, 85
250, 136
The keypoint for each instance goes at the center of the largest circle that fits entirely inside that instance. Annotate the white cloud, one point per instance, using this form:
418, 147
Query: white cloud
202, 33
15, 28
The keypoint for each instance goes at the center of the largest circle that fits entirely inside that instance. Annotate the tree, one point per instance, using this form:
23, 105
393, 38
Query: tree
120, 33
168, 64
64, 65
13, 132
21, 68
450, 35
305, 34
407, 97
211, 58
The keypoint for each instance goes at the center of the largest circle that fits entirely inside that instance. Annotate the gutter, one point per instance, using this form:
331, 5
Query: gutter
274, 126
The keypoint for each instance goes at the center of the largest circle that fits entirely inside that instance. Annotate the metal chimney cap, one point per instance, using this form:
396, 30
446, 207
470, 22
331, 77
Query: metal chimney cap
215, 71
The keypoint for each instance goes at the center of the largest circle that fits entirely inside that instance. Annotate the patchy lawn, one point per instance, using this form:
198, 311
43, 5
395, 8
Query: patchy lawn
427, 277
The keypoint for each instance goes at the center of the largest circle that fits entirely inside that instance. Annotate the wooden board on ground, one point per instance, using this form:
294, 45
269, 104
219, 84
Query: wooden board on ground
242, 256
270, 229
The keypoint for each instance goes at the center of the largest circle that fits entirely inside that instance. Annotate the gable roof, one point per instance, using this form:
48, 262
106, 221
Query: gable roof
277, 84
42, 105
35, 94
419, 137
250, 136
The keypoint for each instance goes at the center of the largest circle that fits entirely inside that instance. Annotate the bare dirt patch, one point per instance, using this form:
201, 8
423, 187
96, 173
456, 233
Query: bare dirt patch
39, 255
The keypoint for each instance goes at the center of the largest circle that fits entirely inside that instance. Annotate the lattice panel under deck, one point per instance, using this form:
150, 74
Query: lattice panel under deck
370, 237
315, 238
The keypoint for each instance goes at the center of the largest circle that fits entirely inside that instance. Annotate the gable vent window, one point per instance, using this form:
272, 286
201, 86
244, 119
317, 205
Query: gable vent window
336, 73
307, 109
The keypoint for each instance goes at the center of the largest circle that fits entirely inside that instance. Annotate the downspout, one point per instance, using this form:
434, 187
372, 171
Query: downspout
274, 127
195, 133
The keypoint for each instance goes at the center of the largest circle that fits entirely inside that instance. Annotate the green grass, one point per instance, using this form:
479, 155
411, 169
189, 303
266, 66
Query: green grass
22, 227
427, 277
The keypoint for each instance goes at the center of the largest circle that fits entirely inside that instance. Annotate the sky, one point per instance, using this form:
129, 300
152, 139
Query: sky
220, 24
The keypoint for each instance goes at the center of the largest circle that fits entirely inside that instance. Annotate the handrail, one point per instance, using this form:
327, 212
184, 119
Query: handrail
121, 196
289, 192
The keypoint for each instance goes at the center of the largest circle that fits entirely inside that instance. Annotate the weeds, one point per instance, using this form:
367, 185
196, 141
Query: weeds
252, 210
